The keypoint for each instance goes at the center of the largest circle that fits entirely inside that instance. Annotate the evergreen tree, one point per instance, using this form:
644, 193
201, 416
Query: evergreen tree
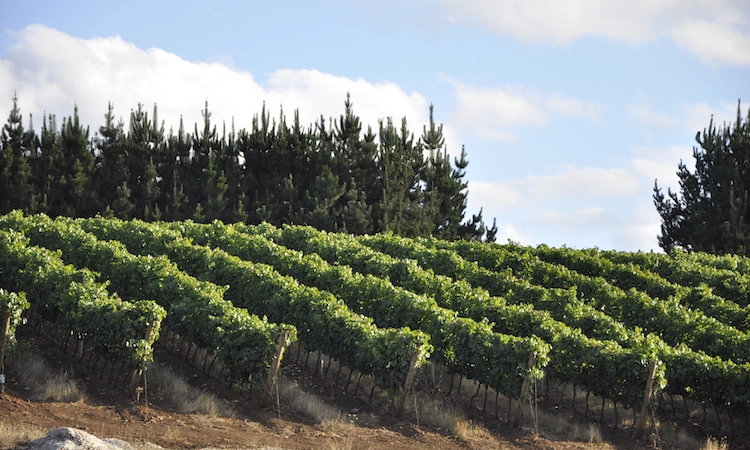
331, 175
354, 163
319, 202
123, 206
355, 214
47, 173
174, 162
400, 164
712, 211
16, 184
112, 157
78, 165
203, 146
144, 141
228, 164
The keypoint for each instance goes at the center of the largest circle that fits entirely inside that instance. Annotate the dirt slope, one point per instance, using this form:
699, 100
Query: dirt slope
107, 412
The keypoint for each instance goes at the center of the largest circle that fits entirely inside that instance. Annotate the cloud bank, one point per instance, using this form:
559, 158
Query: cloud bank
716, 31
495, 113
584, 204
51, 71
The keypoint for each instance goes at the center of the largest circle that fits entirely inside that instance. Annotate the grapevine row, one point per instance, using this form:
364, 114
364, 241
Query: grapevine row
714, 292
244, 344
573, 358
695, 270
324, 323
399, 259
116, 330
674, 323
467, 347
724, 379
12, 306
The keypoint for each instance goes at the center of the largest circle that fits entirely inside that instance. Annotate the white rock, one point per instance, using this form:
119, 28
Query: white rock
72, 439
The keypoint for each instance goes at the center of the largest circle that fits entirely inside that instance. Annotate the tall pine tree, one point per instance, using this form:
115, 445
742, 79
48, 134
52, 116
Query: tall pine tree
712, 211
16, 147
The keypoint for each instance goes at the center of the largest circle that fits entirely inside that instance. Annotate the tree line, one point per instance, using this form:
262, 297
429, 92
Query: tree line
711, 211
335, 174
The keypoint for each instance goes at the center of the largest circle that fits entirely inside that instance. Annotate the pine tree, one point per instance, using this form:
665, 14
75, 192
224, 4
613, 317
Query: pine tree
331, 175
445, 199
112, 156
354, 163
400, 164
174, 164
123, 206
144, 141
78, 165
712, 211
318, 203
16, 184
47, 173
204, 145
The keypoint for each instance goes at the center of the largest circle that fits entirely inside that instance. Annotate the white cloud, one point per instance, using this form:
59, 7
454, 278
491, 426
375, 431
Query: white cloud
698, 115
560, 22
715, 43
717, 31
585, 182
660, 164
640, 231
650, 118
539, 193
509, 232
51, 71
570, 106
579, 206
489, 112
589, 216
495, 113
497, 196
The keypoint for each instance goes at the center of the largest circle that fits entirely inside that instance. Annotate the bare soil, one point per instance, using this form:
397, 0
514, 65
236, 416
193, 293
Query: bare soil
108, 411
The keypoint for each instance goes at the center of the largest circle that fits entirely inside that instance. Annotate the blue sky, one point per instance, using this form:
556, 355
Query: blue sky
568, 110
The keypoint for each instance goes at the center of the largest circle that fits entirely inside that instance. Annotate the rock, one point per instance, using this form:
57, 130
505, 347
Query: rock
72, 439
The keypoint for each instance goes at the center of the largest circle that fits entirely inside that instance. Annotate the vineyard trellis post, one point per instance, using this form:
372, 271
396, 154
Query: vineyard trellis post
408, 382
272, 374
640, 424
135, 377
518, 420
4, 330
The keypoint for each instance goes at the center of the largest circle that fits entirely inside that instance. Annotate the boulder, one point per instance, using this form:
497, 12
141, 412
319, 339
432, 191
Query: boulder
73, 439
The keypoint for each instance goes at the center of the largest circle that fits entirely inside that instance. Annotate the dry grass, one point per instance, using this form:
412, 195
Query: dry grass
30, 369
19, 436
435, 412
713, 444
165, 384
308, 404
32, 372
683, 440
60, 388
470, 431
340, 444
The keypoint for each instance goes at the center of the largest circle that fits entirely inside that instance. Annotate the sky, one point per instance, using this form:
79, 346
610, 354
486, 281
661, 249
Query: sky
568, 111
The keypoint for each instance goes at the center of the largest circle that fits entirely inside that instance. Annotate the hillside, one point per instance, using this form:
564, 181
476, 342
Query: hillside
581, 331
107, 411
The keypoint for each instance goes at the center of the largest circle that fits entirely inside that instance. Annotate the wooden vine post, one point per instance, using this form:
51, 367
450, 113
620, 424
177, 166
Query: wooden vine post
273, 373
4, 330
408, 382
518, 420
135, 376
640, 424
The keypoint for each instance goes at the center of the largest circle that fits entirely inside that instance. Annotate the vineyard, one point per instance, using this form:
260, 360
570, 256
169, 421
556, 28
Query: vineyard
646, 332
